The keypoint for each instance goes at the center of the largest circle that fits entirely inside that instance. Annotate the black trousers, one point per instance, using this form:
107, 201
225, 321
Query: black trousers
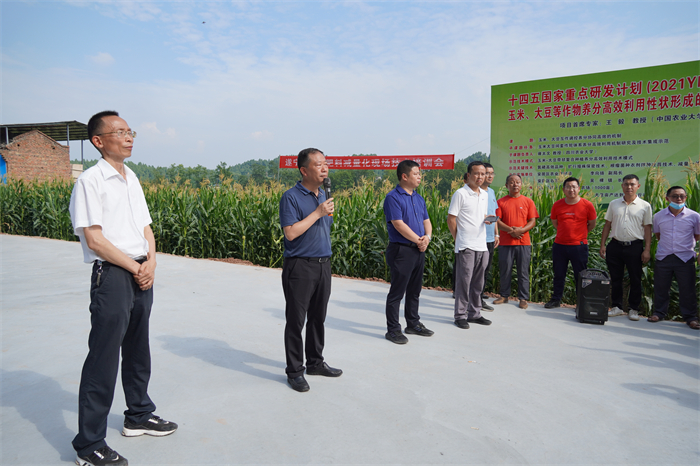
119, 314
619, 256
664, 271
562, 254
406, 265
487, 273
307, 288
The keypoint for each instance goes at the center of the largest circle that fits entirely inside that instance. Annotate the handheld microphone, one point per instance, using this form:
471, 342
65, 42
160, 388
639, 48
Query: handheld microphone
327, 190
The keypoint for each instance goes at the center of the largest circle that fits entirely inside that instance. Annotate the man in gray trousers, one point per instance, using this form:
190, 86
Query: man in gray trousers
466, 221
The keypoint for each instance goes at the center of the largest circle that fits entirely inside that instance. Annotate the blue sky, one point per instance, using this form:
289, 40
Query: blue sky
206, 82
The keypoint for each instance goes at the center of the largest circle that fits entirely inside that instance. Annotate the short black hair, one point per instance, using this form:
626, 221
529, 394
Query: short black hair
405, 168
631, 176
475, 163
569, 179
303, 157
488, 165
511, 175
668, 193
94, 125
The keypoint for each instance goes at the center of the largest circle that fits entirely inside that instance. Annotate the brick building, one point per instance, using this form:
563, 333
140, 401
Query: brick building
35, 156
30, 151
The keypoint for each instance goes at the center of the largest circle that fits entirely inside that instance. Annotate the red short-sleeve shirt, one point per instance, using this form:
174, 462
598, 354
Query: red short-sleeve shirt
572, 221
516, 212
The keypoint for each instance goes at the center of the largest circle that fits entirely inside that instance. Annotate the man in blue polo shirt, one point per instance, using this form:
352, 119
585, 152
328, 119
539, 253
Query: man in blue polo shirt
409, 235
306, 273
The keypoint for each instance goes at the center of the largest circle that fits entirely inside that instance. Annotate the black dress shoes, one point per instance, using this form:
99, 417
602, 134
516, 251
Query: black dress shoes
481, 321
485, 306
324, 370
462, 323
298, 383
552, 304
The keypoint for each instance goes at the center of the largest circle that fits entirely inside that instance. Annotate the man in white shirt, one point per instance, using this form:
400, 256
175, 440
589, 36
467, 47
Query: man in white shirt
110, 216
465, 219
628, 220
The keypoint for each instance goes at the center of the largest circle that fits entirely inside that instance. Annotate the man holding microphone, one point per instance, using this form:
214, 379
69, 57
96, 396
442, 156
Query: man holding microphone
306, 273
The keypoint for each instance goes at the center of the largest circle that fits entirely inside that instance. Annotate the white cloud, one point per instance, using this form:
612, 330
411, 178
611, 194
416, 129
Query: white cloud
261, 135
102, 59
151, 127
383, 78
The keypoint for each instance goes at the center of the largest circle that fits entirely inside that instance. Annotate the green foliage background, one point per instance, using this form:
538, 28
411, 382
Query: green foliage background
232, 220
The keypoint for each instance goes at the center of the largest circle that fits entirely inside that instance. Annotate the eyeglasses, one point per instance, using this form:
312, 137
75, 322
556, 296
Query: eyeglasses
677, 196
121, 134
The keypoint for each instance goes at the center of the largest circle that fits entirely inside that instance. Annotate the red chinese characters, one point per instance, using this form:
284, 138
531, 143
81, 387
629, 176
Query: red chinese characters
378, 162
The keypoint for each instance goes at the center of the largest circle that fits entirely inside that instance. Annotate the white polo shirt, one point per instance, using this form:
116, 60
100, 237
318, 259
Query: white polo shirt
470, 208
101, 196
628, 220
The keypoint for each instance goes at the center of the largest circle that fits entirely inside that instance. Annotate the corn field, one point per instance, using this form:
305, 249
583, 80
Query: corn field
228, 220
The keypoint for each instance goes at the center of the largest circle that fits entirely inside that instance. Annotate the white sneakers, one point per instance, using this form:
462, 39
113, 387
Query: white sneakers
633, 314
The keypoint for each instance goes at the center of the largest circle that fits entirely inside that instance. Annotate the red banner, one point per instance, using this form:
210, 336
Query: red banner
378, 162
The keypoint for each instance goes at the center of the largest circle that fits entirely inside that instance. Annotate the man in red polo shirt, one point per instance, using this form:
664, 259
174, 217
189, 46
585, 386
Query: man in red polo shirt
573, 218
517, 216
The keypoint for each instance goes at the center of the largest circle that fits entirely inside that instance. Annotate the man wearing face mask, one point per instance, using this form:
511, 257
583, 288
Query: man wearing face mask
677, 228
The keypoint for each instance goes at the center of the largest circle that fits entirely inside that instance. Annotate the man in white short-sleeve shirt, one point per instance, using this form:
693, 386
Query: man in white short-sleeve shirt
111, 218
465, 219
628, 221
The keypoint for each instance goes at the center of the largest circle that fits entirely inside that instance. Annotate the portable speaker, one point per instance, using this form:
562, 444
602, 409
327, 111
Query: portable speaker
593, 296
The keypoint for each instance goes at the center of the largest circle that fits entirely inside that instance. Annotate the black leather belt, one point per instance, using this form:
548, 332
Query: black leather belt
140, 260
626, 243
410, 245
313, 259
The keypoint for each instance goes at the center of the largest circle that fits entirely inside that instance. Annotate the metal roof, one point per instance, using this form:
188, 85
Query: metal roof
58, 131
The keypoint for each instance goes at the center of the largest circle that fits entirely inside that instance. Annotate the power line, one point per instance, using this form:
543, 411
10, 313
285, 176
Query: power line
459, 151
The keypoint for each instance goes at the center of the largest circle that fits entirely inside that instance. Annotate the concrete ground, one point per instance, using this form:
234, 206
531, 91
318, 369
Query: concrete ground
536, 387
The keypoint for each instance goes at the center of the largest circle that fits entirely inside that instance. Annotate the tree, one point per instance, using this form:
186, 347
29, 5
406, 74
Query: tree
222, 171
259, 174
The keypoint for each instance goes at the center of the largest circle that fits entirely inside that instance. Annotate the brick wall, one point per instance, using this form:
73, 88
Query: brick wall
35, 156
